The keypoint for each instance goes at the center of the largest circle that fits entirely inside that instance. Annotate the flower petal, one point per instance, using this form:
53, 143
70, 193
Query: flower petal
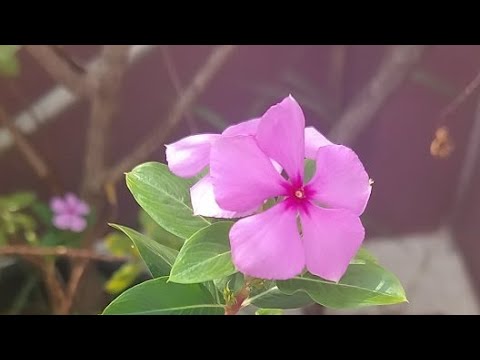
62, 221
75, 206
340, 180
57, 204
204, 204
281, 135
71, 200
268, 245
331, 238
77, 224
248, 127
313, 141
243, 176
82, 208
188, 156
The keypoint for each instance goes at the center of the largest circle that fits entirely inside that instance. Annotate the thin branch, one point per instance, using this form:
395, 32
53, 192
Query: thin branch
392, 72
205, 74
177, 85
62, 251
58, 67
455, 104
337, 75
32, 156
104, 82
468, 166
54, 286
78, 271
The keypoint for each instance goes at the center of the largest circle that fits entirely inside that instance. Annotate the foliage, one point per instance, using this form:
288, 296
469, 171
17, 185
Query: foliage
201, 279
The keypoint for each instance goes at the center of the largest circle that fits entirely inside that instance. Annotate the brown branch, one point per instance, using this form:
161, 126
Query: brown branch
103, 86
157, 136
240, 297
104, 82
337, 75
56, 293
31, 155
62, 251
392, 72
76, 276
58, 68
468, 166
455, 104
177, 85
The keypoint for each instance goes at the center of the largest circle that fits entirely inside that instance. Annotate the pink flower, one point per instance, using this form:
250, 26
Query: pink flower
314, 225
69, 213
190, 155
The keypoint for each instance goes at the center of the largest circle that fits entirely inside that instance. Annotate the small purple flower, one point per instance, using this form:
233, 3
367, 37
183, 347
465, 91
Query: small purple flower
313, 225
69, 213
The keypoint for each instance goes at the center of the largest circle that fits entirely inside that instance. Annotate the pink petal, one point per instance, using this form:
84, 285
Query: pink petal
82, 208
281, 136
71, 200
243, 176
331, 238
268, 245
313, 141
340, 180
188, 156
62, 222
77, 224
57, 204
248, 127
75, 205
204, 204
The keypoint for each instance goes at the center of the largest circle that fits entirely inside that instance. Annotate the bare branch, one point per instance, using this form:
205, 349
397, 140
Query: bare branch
468, 166
177, 85
393, 70
337, 75
205, 74
455, 104
32, 156
104, 82
27, 250
58, 68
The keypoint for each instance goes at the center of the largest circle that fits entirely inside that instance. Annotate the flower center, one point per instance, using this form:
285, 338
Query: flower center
300, 194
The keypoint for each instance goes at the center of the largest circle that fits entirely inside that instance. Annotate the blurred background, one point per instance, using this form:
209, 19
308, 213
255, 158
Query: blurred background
74, 118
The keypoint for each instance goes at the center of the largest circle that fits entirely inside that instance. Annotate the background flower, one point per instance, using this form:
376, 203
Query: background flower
69, 213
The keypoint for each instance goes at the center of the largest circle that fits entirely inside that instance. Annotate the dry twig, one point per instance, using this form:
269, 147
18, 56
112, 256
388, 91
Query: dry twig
393, 70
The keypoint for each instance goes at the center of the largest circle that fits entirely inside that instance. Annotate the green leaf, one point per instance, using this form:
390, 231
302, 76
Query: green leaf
158, 258
151, 229
310, 167
205, 256
363, 257
9, 64
159, 297
213, 290
120, 244
274, 298
3, 238
43, 213
51, 238
24, 221
123, 278
234, 282
17, 201
269, 312
166, 198
362, 285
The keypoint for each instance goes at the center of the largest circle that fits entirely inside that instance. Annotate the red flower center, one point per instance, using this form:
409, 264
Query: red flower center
300, 193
